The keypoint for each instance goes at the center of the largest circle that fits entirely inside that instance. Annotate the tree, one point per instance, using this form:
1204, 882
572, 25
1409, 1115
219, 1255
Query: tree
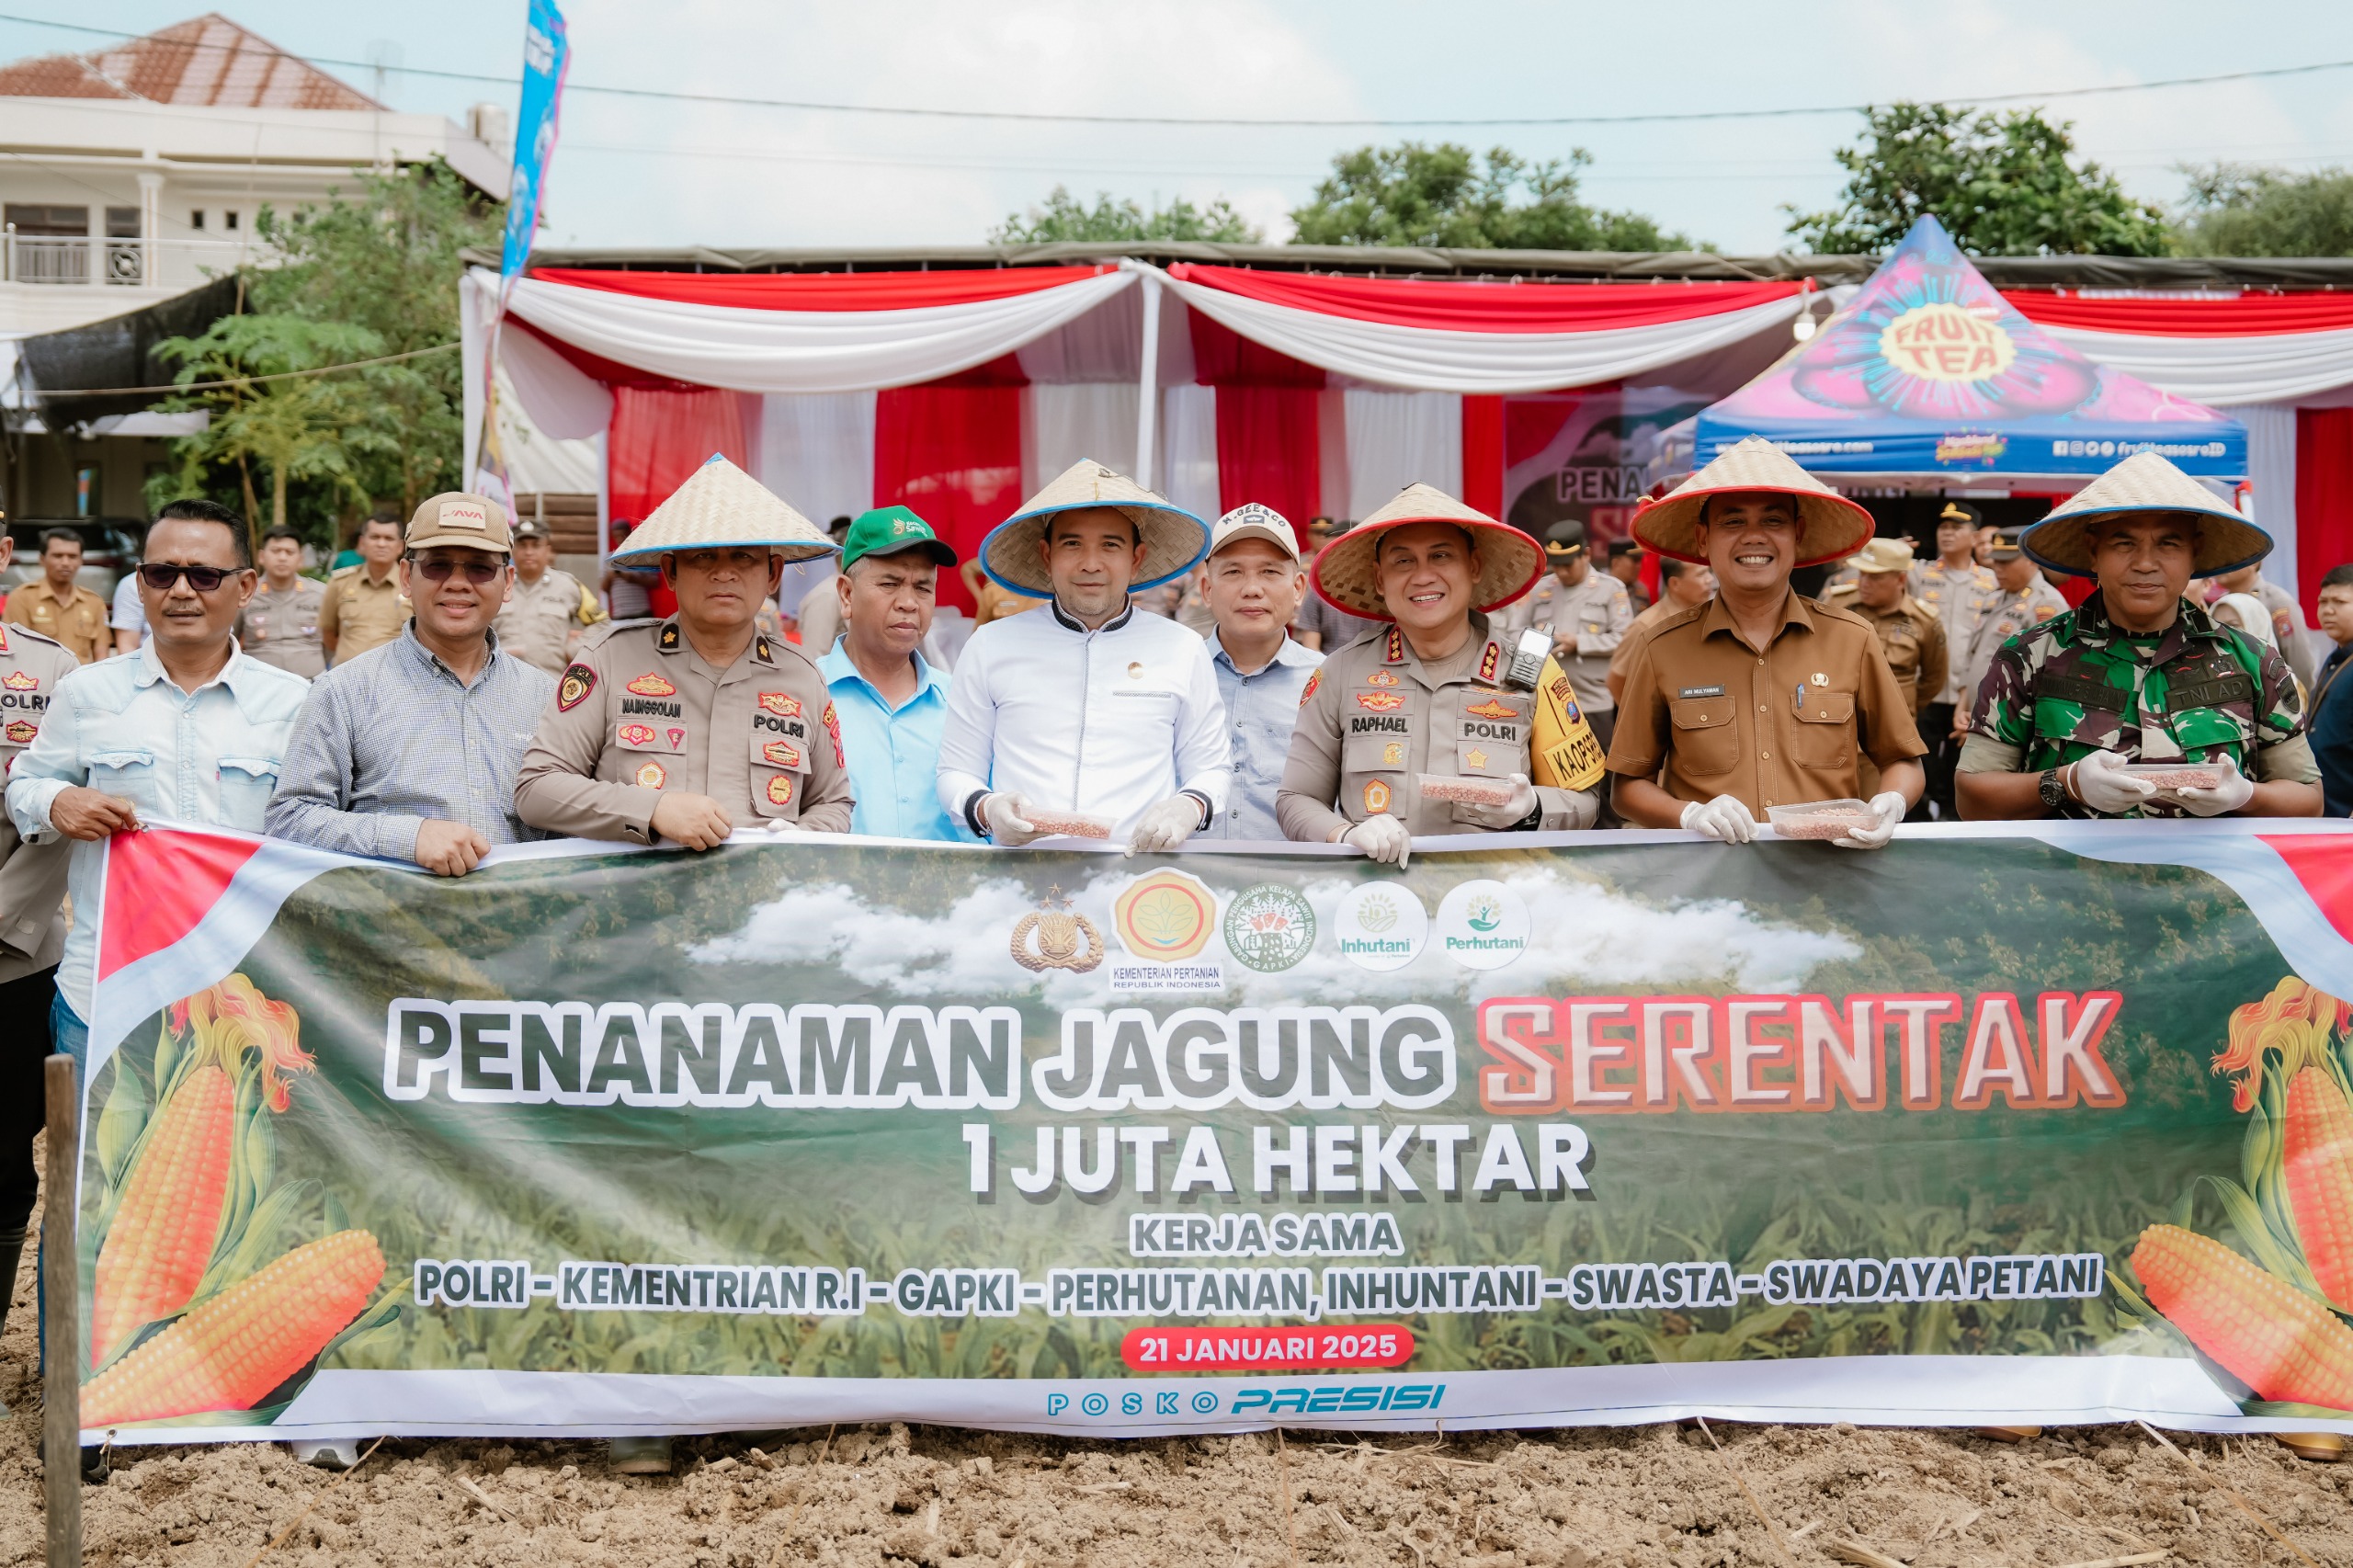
1445, 195
1066, 218
2234, 210
2005, 184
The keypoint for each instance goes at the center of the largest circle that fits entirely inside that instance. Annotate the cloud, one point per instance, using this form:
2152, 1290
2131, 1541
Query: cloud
1582, 932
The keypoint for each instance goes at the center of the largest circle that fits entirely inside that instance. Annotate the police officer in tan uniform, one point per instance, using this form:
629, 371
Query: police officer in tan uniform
1585, 612
542, 620
2028, 600
1434, 693
687, 729
32, 932
1910, 633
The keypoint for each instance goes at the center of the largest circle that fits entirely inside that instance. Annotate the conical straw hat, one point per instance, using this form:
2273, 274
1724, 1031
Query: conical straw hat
1171, 541
2145, 483
721, 505
1509, 561
1833, 527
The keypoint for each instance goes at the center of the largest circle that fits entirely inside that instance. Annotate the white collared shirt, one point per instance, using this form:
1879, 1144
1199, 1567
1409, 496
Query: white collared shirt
1104, 723
121, 727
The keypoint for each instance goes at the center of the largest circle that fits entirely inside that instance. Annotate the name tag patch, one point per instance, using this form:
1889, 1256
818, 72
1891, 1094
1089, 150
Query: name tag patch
1701, 691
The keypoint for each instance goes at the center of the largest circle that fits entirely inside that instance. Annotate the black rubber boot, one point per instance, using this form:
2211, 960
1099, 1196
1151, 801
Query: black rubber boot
12, 1252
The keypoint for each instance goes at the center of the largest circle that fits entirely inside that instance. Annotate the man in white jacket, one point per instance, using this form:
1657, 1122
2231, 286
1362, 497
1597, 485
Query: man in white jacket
1089, 709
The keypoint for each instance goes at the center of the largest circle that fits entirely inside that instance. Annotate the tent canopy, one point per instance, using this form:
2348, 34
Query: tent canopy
1929, 371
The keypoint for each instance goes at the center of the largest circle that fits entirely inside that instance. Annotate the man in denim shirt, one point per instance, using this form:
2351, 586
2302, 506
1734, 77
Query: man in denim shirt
1253, 581
188, 728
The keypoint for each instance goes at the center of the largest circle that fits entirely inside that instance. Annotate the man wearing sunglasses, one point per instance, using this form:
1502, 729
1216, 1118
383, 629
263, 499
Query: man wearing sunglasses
189, 728
409, 751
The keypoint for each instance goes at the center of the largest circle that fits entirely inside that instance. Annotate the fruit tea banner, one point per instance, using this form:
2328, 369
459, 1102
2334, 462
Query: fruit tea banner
2030, 1124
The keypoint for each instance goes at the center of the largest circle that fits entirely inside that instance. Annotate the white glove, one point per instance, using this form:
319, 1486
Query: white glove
1509, 814
1385, 838
1891, 807
1165, 824
2101, 783
778, 825
1724, 819
2234, 791
1007, 818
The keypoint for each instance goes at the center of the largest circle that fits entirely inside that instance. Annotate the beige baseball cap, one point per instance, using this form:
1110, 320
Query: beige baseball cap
455, 518
1883, 554
1251, 520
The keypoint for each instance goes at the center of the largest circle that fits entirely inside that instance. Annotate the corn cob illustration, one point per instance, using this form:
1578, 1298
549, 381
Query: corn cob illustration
2270, 1336
162, 1236
236, 1347
2317, 1165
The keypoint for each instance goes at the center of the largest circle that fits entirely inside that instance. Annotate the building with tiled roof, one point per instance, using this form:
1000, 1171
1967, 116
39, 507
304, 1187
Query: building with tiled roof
210, 62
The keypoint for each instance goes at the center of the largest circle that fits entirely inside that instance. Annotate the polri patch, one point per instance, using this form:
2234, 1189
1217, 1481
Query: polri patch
834, 733
578, 681
1314, 680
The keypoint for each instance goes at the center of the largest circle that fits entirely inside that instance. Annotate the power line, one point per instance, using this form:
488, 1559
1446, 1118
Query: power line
44, 394
1211, 121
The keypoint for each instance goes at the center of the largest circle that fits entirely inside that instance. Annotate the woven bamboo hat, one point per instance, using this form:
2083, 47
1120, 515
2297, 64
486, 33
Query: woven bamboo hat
1835, 527
1171, 539
2145, 483
721, 505
1509, 561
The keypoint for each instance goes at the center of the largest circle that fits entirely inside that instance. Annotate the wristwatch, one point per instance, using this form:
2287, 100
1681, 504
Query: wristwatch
2053, 792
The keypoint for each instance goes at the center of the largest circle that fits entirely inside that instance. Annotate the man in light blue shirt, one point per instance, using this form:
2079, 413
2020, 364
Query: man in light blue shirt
1252, 582
188, 728
891, 705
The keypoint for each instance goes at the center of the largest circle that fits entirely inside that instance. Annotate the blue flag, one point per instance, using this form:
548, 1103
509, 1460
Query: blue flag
546, 53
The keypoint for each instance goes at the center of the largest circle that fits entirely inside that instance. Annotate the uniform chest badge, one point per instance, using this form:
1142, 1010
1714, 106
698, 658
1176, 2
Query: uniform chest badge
780, 790
637, 734
783, 754
578, 681
1308, 691
20, 732
20, 680
1475, 758
834, 733
1492, 708
1381, 677
651, 775
678, 739
1380, 701
652, 686
1392, 756
1818, 678
1376, 797
783, 706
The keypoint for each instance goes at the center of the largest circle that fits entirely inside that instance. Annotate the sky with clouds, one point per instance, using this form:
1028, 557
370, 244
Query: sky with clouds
638, 173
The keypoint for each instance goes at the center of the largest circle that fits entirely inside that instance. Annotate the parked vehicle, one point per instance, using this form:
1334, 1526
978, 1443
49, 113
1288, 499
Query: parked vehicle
110, 548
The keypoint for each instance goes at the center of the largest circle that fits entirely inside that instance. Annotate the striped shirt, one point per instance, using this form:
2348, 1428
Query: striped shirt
393, 737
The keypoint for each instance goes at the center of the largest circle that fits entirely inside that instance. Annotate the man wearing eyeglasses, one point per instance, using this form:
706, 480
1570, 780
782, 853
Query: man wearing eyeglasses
188, 728
409, 752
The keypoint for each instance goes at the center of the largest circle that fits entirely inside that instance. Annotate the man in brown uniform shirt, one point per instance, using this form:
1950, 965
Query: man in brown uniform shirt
57, 606
1910, 633
1427, 697
364, 607
1759, 697
691, 728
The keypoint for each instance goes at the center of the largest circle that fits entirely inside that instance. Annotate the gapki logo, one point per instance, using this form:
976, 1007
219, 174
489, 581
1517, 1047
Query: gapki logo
1381, 926
1270, 928
1482, 925
1164, 920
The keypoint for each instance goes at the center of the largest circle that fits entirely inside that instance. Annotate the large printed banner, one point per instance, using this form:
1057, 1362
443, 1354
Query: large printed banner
2045, 1124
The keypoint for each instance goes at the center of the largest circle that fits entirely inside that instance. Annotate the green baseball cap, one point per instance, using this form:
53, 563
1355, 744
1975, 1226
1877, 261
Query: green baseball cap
888, 531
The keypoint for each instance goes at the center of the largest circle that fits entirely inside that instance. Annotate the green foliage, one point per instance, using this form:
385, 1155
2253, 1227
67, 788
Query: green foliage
1064, 217
1446, 195
2004, 184
371, 273
2237, 210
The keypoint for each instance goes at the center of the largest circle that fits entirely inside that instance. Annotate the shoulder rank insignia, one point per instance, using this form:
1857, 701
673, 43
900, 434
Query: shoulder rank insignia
1392, 648
1379, 701
783, 706
578, 681
668, 641
652, 686
1490, 659
1315, 679
760, 647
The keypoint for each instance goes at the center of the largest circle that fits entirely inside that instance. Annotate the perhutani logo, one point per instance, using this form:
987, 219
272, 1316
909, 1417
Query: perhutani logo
1381, 927
1482, 925
1270, 928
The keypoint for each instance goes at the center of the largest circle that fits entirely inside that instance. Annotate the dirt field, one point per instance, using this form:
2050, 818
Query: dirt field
864, 1497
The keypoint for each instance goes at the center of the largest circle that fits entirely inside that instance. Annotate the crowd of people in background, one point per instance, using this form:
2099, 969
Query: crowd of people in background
1135, 675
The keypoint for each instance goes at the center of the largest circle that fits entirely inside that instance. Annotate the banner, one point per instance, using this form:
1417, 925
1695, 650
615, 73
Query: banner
547, 56
2036, 1123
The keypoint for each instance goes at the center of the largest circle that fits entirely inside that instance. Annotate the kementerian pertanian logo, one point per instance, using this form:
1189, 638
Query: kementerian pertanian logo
1164, 920
1270, 928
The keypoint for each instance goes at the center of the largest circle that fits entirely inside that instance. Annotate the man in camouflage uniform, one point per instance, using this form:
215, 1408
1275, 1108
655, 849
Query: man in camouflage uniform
1587, 614
1962, 593
1910, 633
2028, 600
2137, 673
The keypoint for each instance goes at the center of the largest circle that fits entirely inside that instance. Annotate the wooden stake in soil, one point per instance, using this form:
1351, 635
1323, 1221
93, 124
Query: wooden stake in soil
1282, 1471
1780, 1546
61, 1324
